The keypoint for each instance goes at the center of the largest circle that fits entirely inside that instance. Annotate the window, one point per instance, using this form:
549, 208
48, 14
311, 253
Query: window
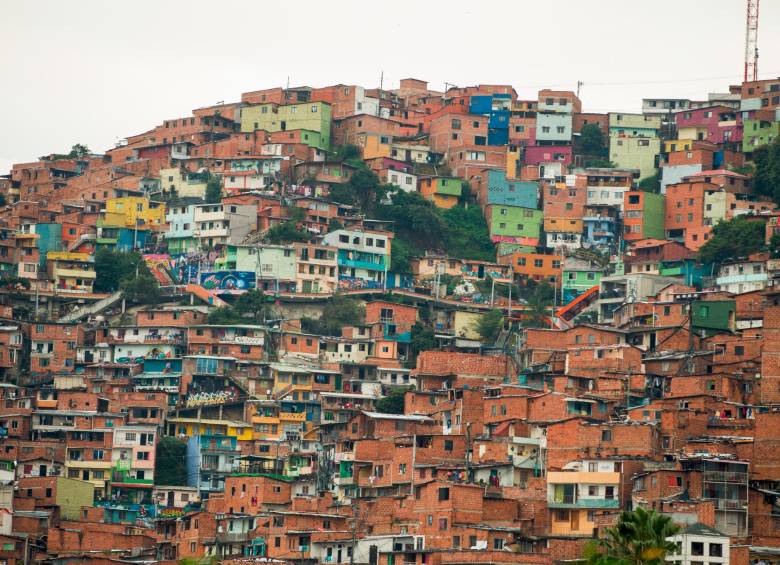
455, 124
448, 445
697, 548
444, 493
716, 550
498, 543
606, 435
538, 262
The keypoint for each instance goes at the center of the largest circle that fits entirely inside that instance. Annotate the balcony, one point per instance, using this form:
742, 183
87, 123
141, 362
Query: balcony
232, 537
357, 264
293, 416
612, 294
742, 278
569, 501
118, 478
725, 477
74, 273
343, 481
243, 340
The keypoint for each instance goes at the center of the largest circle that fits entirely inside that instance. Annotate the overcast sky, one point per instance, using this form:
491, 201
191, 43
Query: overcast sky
96, 71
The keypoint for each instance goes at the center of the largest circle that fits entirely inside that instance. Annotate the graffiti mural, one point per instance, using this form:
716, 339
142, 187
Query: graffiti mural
228, 280
350, 283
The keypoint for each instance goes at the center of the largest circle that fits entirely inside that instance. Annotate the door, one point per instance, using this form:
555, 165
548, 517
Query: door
338, 555
574, 520
42, 470
85, 475
170, 498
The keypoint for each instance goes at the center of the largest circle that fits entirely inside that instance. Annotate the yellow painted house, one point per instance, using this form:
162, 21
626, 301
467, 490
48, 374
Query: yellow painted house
266, 424
182, 183
131, 210
374, 145
289, 379
679, 144
190, 427
71, 271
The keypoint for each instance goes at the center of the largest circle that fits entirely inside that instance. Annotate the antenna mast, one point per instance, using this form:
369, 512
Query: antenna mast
751, 41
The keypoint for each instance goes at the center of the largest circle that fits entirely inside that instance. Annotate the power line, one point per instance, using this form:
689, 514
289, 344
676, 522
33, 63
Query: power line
643, 82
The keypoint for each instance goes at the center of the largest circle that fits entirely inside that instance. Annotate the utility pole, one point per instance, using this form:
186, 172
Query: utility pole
381, 85
468, 452
579, 85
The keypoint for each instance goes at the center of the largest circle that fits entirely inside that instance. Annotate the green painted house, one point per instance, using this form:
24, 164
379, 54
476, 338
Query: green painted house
756, 133
312, 117
514, 224
715, 315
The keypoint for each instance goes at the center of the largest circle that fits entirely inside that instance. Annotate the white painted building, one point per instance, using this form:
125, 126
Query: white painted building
405, 181
700, 545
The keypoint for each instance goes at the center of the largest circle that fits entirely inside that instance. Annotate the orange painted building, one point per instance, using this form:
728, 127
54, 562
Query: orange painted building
536, 266
684, 216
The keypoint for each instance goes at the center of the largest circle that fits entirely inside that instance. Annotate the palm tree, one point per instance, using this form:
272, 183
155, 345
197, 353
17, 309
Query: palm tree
640, 537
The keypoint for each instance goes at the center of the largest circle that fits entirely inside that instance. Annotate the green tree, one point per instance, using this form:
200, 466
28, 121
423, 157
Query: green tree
170, 466
11, 282
489, 325
539, 302
651, 183
286, 232
738, 237
423, 339
640, 537
343, 194
341, 311
350, 154
223, 316
334, 224
766, 160
598, 163
393, 403
401, 255
214, 190
255, 304
78, 150
591, 141
141, 289
774, 246
466, 234
367, 189
112, 267
338, 312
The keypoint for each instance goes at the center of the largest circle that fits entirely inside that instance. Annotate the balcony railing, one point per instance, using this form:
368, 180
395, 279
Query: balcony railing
725, 477
571, 502
124, 479
232, 537
729, 504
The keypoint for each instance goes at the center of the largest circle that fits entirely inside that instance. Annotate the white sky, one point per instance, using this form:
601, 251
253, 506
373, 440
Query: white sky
95, 71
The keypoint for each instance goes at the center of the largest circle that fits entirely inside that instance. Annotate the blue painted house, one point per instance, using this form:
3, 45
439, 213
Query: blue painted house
495, 188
